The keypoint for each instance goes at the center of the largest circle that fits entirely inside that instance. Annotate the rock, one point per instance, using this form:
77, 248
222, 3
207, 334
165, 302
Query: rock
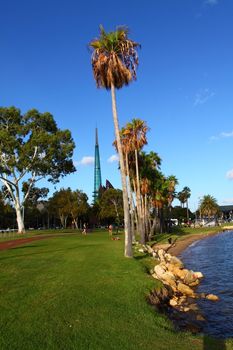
212, 297
173, 302
160, 297
149, 249
175, 261
161, 255
200, 318
193, 307
141, 250
199, 275
202, 295
194, 284
190, 277
168, 257
169, 279
159, 271
186, 309
185, 289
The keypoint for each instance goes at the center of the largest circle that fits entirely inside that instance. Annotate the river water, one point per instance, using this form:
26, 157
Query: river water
213, 256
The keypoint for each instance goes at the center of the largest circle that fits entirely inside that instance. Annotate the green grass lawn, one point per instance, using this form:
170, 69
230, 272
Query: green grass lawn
79, 292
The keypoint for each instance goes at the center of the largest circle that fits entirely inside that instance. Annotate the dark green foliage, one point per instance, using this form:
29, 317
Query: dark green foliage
111, 206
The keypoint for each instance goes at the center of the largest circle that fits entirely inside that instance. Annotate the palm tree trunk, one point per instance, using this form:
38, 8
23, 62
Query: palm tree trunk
139, 204
128, 236
136, 209
187, 210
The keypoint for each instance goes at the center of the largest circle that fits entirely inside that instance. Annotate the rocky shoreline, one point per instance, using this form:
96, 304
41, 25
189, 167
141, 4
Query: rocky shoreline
177, 295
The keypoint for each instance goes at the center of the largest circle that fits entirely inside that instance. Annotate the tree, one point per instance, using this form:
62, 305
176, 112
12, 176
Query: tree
111, 206
137, 130
31, 148
114, 63
60, 205
78, 205
208, 206
183, 197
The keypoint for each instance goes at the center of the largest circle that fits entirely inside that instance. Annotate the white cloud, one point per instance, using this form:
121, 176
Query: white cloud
226, 134
222, 135
202, 96
229, 174
211, 2
87, 160
113, 158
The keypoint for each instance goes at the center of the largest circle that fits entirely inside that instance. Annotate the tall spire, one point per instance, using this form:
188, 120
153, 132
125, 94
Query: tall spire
97, 170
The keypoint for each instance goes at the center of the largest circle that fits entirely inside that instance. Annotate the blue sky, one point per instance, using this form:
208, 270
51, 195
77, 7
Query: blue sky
183, 90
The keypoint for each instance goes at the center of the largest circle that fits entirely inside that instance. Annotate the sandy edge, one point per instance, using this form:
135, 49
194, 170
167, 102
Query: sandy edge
184, 242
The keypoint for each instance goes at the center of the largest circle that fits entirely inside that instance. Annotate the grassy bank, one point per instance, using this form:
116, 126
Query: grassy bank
79, 292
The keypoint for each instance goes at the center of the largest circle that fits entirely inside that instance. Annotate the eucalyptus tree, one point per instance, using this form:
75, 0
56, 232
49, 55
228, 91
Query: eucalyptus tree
78, 205
31, 148
111, 206
114, 63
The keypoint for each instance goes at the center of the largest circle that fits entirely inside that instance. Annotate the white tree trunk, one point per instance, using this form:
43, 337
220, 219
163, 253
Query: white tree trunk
128, 236
19, 217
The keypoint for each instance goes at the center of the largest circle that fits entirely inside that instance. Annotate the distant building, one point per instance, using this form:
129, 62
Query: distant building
227, 211
98, 188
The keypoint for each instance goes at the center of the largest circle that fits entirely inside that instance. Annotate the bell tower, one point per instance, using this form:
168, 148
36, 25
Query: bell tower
97, 170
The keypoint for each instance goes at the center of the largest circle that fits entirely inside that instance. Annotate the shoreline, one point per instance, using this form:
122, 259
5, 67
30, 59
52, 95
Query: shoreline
186, 241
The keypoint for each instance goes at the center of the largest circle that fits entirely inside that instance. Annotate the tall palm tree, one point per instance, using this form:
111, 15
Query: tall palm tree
187, 194
137, 130
171, 185
114, 63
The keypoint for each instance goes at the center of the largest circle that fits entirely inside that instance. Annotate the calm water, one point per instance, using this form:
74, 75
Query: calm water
213, 256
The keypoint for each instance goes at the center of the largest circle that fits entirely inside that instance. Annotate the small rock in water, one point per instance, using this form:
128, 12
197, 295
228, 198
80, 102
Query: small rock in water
199, 274
212, 297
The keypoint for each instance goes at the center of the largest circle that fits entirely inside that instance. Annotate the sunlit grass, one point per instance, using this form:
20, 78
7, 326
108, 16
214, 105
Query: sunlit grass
79, 292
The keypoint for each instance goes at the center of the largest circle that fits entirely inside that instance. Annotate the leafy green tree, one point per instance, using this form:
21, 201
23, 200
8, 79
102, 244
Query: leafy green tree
111, 206
114, 63
59, 204
78, 204
31, 148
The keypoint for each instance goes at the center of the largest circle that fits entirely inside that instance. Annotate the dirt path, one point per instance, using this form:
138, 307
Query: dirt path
16, 242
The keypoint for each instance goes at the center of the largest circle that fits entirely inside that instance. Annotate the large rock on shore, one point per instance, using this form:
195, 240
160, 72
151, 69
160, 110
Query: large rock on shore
184, 289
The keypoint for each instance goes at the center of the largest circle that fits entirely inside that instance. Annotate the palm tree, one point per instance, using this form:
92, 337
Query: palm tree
209, 206
171, 184
187, 194
137, 130
114, 63
183, 197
